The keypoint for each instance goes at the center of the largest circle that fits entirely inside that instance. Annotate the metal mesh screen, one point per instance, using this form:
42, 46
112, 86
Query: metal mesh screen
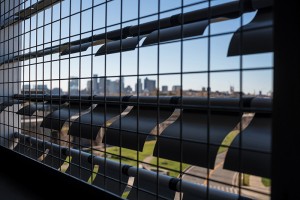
162, 99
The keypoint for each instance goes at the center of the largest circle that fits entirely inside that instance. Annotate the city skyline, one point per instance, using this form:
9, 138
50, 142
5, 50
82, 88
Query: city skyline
96, 86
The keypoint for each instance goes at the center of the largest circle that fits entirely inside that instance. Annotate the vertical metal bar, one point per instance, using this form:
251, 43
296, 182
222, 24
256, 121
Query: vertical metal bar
286, 108
208, 97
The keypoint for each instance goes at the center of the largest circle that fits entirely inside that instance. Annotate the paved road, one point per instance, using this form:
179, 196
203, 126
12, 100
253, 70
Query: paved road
226, 180
218, 178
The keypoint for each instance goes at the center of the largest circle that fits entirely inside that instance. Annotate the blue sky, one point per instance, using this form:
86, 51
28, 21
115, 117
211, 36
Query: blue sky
195, 57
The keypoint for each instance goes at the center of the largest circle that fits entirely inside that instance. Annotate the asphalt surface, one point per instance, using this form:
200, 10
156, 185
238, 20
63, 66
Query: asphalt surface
226, 180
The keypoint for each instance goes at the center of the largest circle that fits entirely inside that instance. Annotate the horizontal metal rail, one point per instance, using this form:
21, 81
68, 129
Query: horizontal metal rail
173, 183
228, 104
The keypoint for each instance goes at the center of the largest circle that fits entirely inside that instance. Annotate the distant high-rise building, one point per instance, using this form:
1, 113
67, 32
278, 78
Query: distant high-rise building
128, 90
122, 84
74, 85
95, 85
231, 89
203, 89
101, 85
139, 86
164, 88
112, 87
89, 87
36, 89
41, 89
149, 85
176, 88
57, 91
107, 88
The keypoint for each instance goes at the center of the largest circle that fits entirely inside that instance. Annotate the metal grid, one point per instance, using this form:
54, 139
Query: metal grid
86, 89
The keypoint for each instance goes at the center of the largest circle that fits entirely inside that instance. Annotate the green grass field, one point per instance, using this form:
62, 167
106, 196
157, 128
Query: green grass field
246, 180
266, 182
133, 158
227, 141
172, 166
130, 157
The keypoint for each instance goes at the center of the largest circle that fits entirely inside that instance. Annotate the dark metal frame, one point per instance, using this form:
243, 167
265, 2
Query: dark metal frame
286, 109
36, 181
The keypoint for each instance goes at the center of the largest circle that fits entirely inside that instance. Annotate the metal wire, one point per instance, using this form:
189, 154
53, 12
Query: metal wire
155, 87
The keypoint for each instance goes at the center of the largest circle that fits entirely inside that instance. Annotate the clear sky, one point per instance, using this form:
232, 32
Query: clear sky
192, 57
